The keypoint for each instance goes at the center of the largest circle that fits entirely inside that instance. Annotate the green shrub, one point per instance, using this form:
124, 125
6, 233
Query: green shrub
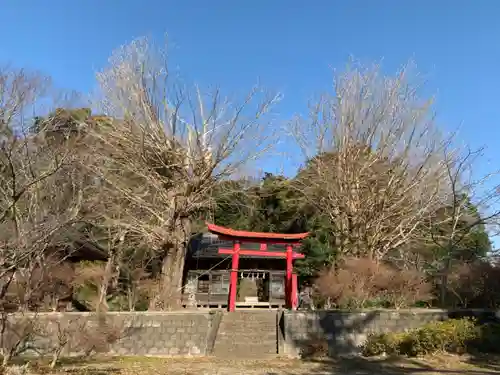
420, 342
382, 343
459, 334
452, 336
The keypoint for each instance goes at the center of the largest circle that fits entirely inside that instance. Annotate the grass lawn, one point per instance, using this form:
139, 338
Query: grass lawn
441, 365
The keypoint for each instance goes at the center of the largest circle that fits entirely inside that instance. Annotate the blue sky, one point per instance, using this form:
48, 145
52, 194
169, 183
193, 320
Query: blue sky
289, 45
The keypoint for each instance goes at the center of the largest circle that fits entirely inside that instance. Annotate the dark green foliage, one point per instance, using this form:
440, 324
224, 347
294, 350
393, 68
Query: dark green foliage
233, 206
464, 239
319, 247
274, 205
488, 340
268, 205
61, 120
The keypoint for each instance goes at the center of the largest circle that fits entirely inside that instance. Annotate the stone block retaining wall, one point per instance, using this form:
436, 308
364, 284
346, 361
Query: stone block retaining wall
140, 333
165, 334
346, 331
195, 333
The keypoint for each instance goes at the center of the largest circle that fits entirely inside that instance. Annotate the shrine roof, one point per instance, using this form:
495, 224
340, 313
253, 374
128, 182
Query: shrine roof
228, 232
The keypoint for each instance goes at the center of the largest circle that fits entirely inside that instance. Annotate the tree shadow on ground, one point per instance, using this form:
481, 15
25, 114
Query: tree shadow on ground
93, 371
70, 365
393, 366
341, 331
337, 333
388, 366
486, 361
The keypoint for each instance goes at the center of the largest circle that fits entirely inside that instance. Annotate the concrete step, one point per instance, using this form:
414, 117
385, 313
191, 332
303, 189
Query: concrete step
243, 324
245, 351
247, 341
247, 334
247, 337
262, 335
246, 354
237, 330
265, 345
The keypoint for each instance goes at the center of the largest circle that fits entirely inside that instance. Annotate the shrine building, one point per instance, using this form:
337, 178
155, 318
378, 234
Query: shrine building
221, 261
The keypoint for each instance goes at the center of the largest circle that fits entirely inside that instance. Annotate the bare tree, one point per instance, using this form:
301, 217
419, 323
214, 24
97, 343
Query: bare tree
86, 335
17, 334
40, 194
161, 151
358, 281
376, 169
452, 232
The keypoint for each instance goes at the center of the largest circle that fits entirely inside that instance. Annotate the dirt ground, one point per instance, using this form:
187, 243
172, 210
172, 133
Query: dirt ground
442, 365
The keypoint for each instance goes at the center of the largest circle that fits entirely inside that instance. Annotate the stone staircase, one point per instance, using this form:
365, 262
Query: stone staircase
247, 334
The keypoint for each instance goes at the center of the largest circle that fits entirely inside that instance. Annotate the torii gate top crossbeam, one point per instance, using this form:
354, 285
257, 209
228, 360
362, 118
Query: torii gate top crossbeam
255, 236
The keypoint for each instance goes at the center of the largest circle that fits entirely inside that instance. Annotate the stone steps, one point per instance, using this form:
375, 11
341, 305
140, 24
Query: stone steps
247, 334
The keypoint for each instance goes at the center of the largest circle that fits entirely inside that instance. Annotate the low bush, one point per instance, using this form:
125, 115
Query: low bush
473, 285
361, 282
382, 343
350, 286
452, 336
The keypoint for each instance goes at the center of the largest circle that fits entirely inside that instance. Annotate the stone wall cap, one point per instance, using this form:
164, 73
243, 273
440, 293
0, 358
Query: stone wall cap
367, 311
117, 313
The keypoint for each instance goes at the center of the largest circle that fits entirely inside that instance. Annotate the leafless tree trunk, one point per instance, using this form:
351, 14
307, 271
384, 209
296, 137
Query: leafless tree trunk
111, 269
161, 151
104, 285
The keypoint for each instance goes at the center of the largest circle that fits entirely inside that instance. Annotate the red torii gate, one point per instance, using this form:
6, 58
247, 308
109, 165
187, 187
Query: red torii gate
237, 237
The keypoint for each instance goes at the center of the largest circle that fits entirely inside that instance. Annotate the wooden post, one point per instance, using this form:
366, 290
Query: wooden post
233, 286
288, 277
295, 301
